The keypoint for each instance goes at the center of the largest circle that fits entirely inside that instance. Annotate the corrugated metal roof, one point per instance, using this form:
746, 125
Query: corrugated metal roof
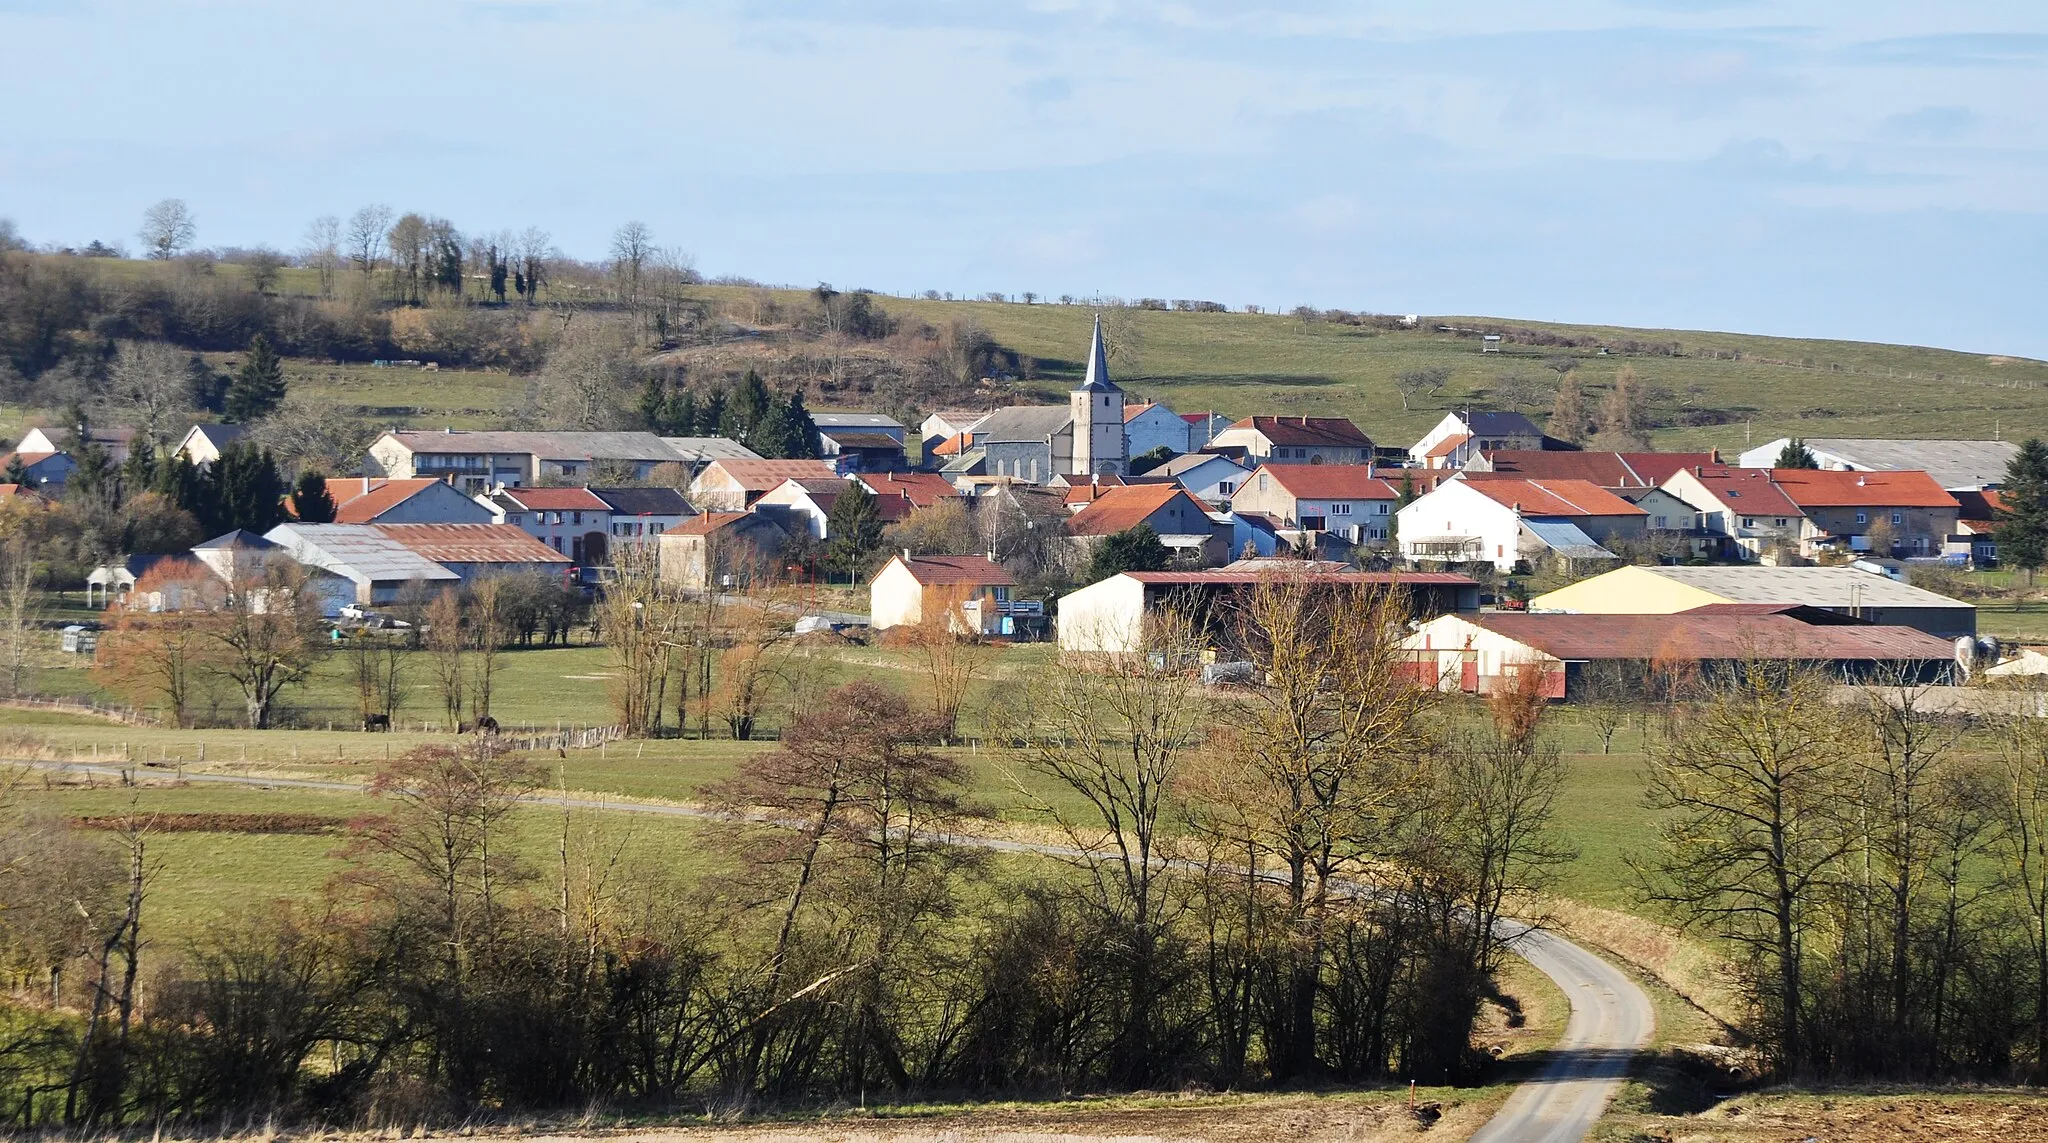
1952, 463
1565, 538
360, 552
546, 445
472, 543
696, 449
1818, 587
1021, 423
855, 421
1226, 575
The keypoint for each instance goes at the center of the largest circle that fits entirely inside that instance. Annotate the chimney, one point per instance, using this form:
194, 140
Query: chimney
1699, 470
1861, 481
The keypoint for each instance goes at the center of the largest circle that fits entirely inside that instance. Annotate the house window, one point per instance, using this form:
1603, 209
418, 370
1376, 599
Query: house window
1382, 508
1002, 595
1863, 517
1340, 509
1898, 517
1779, 522
556, 541
1226, 487
577, 517
1658, 523
1263, 478
515, 518
656, 529
1749, 521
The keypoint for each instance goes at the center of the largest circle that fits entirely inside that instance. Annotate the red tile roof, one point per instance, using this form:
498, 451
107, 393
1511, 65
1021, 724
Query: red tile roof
557, 499
1447, 446
1691, 635
384, 495
1331, 481
762, 475
1307, 431
1554, 497
472, 543
706, 523
922, 489
978, 570
1748, 491
1814, 488
953, 445
1118, 509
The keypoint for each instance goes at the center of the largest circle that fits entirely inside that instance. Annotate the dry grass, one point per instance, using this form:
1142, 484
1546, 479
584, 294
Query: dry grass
1846, 1117
1688, 969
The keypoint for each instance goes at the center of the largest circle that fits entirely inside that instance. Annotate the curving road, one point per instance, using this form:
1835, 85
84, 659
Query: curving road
1611, 1018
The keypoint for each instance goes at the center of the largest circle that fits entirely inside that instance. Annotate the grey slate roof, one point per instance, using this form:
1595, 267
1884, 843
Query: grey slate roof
241, 539
645, 501
1188, 462
855, 421
1022, 423
1097, 379
546, 445
1483, 423
706, 449
1952, 464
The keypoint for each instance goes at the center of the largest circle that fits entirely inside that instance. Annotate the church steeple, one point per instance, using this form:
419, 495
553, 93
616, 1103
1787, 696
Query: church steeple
1097, 380
1098, 405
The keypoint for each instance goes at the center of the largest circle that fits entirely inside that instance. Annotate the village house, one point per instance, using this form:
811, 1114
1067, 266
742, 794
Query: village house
114, 443
203, 444
1203, 427
1150, 426
1347, 500
973, 591
1295, 440
420, 500
1476, 653
1671, 589
1613, 471
1506, 521
1955, 465
41, 471
1749, 516
942, 426
1209, 477
861, 442
918, 489
1976, 534
574, 522
1109, 617
641, 514
734, 485
804, 504
1883, 513
1462, 437
479, 461
729, 551
1181, 521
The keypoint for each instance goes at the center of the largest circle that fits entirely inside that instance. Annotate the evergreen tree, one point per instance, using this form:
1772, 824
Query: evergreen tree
804, 441
2023, 517
311, 500
180, 481
1133, 549
16, 472
679, 416
1568, 416
258, 386
747, 405
654, 404
853, 529
774, 434
1795, 454
243, 491
711, 414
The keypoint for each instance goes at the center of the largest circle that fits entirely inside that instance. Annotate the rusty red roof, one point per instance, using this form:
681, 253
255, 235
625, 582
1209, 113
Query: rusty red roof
1704, 634
922, 489
556, 499
762, 475
382, 496
1335, 431
932, 571
472, 543
1745, 491
1117, 509
1251, 575
1606, 469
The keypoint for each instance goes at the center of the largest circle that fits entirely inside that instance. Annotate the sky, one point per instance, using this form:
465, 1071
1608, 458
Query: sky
1864, 169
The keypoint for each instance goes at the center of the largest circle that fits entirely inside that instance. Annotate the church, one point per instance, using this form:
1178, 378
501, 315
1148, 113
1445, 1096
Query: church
1035, 443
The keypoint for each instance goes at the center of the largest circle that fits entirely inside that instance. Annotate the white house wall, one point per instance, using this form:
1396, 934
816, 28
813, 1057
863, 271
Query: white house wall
895, 599
1106, 618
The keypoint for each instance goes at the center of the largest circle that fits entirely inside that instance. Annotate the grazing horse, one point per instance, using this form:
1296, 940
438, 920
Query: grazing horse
377, 722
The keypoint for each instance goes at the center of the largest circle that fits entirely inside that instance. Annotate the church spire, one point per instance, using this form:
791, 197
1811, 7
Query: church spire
1097, 380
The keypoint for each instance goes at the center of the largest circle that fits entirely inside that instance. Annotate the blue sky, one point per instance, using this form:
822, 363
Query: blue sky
1870, 169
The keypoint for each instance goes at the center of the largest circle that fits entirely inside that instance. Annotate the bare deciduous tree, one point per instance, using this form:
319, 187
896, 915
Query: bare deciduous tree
1424, 381
167, 229
321, 251
366, 230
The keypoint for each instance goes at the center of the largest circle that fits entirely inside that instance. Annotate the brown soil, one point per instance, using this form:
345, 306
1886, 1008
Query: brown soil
214, 823
1992, 1117
1309, 1119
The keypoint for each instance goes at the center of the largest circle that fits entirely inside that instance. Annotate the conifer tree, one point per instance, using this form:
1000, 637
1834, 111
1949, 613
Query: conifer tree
2023, 517
311, 500
804, 441
259, 384
679, 416
653, 404
16, 472
1795, 454
747, 405
243, 491
774, 435
711, 414
853, 529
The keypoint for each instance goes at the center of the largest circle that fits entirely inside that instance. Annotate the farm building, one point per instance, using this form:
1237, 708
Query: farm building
1473, 653
1858, 594
1108, 618
976, 586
